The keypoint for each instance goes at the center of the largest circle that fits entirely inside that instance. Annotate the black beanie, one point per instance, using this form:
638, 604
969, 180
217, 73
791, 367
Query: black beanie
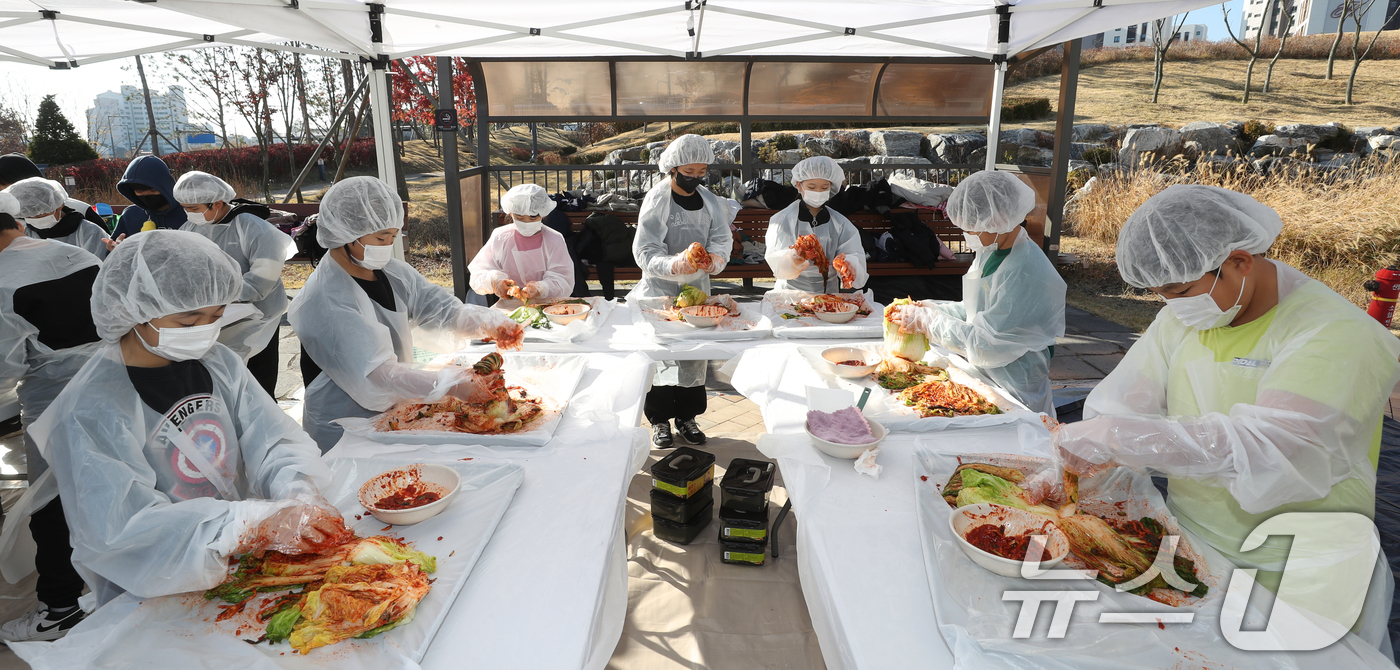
14, 167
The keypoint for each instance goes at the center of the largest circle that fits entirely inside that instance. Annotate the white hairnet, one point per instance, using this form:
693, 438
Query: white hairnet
1186, 231
685, 150
527, 200
356, 207
990, 202
158, 273
37, 196
201, 188
819, 167
8, 204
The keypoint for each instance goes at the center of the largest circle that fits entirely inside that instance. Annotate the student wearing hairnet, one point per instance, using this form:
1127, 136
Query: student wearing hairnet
260, 250
44, 207
1013, 304
356, 312
817, 179
527, 253
1257, 391
677, 212
169, 457
43, 343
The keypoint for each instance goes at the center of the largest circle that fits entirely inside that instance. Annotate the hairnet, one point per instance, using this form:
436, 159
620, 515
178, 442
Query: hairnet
8, 204
685, 150
158, 273
198, 188
356, 207
527, 200
37, 196
990, 202
1186, 231
819, 167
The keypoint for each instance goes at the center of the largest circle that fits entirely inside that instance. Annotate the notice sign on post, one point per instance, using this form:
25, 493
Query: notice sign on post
445, 120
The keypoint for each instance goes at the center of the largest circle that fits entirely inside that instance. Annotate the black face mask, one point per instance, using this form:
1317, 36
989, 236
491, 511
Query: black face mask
688, 183
154, 203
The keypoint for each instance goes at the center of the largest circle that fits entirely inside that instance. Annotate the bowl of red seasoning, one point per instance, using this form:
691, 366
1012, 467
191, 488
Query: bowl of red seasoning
850, 362
997, 537
410, 494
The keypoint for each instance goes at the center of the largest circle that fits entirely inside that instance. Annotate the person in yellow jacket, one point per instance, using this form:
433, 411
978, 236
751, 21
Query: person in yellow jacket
1257, 391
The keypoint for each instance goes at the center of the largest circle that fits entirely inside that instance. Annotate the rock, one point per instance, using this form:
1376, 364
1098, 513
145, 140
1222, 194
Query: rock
1383, 143
1313, 134
820, 146
897, 142
1136, 126
1092, 132
1212, 138
954, 148
1161, 143
1080, 165
1280, 165
857, 135
1111, 170
789, 156
726, 151
1223, 162
1369, 132
1077, 149
1034, 156
617, 156
1338, 161
898, 160
1235, 125
1277, 145
1025, 137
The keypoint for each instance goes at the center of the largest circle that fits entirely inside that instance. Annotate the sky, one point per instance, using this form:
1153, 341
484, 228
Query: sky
75, 89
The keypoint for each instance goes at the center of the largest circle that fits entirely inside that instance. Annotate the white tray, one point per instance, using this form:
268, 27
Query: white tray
776, 303
749, 325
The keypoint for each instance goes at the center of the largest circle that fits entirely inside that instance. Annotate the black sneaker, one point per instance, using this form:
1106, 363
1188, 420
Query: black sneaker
661, 435
690, 432
42, 624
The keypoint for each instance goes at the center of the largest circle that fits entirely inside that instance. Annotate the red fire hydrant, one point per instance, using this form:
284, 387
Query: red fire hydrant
1385, 289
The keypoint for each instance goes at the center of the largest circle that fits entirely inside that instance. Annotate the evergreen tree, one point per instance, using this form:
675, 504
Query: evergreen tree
55, 140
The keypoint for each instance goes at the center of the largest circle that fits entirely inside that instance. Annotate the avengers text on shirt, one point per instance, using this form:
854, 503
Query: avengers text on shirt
200, 417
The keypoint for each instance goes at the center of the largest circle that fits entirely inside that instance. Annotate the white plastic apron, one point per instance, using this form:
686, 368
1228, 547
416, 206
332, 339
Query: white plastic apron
682, 228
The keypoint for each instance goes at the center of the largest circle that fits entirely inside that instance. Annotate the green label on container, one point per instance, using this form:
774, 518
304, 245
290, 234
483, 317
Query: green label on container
756, 534
746, 558
671, 489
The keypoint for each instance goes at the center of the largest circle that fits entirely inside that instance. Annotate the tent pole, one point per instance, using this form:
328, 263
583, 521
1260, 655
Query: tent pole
1064, 135
383, 131
453, 182
994, 123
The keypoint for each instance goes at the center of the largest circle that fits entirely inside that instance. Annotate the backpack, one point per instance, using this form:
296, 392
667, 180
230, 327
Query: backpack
875, 196
305, 241
916, 242
613, 240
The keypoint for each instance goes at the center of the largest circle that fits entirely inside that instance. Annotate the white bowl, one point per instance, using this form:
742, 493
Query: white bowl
835, 355
847, 451
576, 312
702, 321
440, 478
839, 317
1015, 522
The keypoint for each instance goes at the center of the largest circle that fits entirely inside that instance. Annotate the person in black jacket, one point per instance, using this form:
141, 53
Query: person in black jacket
149, 186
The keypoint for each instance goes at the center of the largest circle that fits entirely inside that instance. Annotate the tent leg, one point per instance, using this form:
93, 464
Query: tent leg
448, 100
383, 133
1064, 136
994, 124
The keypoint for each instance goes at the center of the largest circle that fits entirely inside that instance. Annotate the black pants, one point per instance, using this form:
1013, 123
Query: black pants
263, 365
675, 402
59, 584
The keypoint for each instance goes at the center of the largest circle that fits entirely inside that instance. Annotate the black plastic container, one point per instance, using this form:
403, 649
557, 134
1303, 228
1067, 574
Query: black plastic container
737, 526
746, 484
680, 510
742, 553
683, 533
683, 473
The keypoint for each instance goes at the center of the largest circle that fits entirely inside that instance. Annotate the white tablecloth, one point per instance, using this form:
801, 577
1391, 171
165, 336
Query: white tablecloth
550, 589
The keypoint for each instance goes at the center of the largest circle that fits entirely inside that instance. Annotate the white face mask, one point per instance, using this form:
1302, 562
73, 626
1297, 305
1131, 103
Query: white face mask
42, 222
183, 344
376, 256
974, 242
196, 217
816, 198
1201, 312
528, 228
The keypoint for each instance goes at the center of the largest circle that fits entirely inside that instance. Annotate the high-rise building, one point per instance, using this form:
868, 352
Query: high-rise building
1312, 17
117, 122
1142, 33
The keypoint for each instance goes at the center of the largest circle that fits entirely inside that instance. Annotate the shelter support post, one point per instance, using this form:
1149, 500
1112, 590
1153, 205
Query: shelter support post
994, 123
447, 100
745, 160
1064, 136
483, 147
383, 130
350, 103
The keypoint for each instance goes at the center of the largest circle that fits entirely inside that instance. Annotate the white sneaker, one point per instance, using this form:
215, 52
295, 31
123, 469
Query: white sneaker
40, 625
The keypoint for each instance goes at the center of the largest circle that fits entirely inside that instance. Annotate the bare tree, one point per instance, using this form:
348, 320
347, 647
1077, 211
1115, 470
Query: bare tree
1252, 51
1336, 42
1160, 45
1285, 23
207, 73
1357, 55
251, 86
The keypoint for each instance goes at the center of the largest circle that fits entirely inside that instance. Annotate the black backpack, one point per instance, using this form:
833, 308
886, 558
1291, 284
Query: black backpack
917, 242
305, 240
613, 240
875, 196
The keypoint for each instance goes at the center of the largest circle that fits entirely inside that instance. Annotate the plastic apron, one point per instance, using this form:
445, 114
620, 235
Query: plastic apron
837, 236
260, 251
325, 401
88, 237
549, 264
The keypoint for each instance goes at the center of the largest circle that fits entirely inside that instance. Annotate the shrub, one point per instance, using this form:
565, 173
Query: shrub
784, 142
768, 153
590, 158
1100, 155
851, 146
1255, 129
1076, 180
1025, 109
646, 154
567, 150
519, 153
551, 158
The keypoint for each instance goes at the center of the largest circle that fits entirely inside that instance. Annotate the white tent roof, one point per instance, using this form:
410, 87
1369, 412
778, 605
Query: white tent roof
86, 31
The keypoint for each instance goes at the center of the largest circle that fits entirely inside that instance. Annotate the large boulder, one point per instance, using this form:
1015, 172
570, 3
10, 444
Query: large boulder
726, 151
897, 142
855, 135
1388, 144
1281, 165
618, 156
1213, 138
1077, 149
1314, 134
954, 148
899, 160
1026, 137
1369, 132
820, 146
789, 156
1092, 132
1075, 165
1339, 161
1155, 142
1034, 156
1278, 145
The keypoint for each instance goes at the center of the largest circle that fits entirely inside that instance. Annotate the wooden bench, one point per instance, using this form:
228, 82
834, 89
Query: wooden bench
753, 224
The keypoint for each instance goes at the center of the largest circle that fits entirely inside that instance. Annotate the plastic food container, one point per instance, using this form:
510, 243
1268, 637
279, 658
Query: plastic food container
837, 355
566, 313
746, 484
704, 316
419, 477
737, 526
1014, 522
680, 510
742, 553
684, 472
683, 533
846, 313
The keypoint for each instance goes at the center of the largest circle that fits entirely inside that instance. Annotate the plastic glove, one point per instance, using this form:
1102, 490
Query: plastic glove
913, 319
501, 287
681, 265
1045, 485
717, 263
475, 321
111, 243
531, 291
479, 388
306, 526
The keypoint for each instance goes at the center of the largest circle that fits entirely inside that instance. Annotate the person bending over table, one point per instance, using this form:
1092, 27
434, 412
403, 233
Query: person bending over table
525, 255
677, 212
49, 214
817, 179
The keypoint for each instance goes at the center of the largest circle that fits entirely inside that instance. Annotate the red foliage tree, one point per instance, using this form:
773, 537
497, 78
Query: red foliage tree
408, 100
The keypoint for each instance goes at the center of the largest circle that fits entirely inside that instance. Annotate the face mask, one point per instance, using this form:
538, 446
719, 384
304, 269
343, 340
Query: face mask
376, 256
528, 228
196, 217
974, 242
154, 203
42, 222
816, 198
1201, 312
184, 344
689, 183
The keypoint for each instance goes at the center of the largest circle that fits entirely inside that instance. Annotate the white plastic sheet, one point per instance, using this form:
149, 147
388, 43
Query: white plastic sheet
552, 378
749, 325
777, 303
180, 631
576, 331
